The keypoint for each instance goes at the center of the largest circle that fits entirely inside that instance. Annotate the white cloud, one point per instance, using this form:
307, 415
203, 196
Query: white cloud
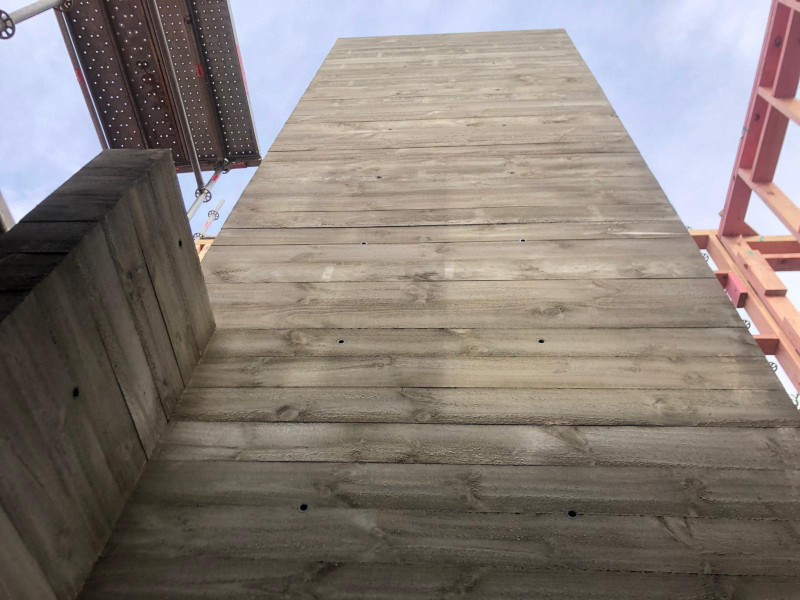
700, 29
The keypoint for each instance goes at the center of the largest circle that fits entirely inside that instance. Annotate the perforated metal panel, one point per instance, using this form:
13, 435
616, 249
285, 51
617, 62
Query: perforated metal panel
121, 70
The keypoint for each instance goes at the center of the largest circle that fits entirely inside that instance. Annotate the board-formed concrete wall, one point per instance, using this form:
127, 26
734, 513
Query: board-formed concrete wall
465, 348
103, 316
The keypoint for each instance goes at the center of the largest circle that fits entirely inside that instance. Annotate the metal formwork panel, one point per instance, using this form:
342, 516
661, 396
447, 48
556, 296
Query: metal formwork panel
123, 72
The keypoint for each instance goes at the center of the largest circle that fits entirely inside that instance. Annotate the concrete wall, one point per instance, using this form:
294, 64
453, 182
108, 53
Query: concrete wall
103, 316
541, 390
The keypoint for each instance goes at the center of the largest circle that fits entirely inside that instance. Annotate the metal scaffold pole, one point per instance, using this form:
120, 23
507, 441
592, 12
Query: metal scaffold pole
213, 215
203, 193
172, 81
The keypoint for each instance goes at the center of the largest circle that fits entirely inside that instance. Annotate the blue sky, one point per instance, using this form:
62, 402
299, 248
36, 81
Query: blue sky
678, 72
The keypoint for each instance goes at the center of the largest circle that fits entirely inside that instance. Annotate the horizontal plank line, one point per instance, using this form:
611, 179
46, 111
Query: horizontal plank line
500, 329
552, 512
321, 227
591, 542
776, 424
333, 356
349, 226
266, 212
435, 150
258, 326
471, 98
486, 342
453, 280
517, 489
649, 279
222, 242
671, 408
489, 389
161, 461
446, 234
406, 117
355, 146
452, 387
707, 447
766, 424
622, 133
236, 579
384, 369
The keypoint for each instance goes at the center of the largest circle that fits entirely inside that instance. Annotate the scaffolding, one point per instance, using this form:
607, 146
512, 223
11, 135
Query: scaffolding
746, 261
160, 74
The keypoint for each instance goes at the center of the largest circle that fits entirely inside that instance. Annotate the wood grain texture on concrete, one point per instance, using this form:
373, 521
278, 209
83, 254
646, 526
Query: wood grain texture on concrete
93, 340
465, 349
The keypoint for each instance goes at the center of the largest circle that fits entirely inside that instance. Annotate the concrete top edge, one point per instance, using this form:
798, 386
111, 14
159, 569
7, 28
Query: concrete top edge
507, 33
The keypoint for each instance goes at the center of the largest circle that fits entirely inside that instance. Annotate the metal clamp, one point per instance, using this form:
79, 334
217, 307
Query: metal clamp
213, 215
203, 193
205, 190
9, 21
7, 27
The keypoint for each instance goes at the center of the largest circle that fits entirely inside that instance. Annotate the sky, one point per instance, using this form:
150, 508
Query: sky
678, 73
